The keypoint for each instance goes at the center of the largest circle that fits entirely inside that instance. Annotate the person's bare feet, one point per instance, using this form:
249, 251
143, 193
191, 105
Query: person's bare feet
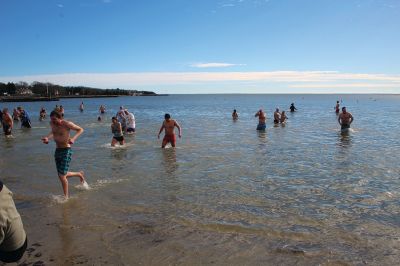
82, 177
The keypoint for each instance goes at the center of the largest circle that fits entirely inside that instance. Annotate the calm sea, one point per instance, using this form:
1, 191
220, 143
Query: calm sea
300, 194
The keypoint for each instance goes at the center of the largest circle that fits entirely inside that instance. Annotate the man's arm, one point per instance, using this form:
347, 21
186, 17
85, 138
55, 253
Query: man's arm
161, 129
351, 118
46, 139
76, 128
340, 117
179, 128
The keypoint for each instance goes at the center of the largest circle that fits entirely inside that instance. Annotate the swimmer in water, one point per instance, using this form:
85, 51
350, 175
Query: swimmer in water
337, 107
345, 119
261, 120
102, 109
292, 108
16, 114
283, 117
277, 116
42, 114
169, 126
130, 122
118, 135
235, 115
7, 122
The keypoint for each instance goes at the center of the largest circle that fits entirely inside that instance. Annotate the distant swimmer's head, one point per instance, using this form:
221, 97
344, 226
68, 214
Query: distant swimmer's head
337, 101
292, 104
167, 116
234, 110
114, 119
277, 109
99, 118
344, 109
121, 108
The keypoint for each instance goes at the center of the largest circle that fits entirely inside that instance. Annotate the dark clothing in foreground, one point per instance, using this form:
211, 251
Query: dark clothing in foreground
13, 240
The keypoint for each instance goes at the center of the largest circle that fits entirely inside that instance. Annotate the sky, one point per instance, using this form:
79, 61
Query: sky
204, 46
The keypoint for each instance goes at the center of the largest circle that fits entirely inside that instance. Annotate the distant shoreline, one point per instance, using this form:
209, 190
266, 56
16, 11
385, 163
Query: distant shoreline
18, 98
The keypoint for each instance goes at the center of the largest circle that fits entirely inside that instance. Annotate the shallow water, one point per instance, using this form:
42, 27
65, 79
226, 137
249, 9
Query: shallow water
296, 194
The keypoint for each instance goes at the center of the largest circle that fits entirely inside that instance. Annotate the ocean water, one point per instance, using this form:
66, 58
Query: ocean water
299, 194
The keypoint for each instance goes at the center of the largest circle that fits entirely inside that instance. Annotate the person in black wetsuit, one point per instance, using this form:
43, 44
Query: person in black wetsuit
292, 108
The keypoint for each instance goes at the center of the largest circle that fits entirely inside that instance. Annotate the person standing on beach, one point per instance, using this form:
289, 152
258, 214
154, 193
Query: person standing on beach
292, 108
169, 126
235, 115
277, 116
261, 120
118, 135
337, 107
60, 132
7, 122
345, 119
81, 107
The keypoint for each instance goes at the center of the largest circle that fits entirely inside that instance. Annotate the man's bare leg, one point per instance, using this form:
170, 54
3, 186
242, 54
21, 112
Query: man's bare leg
64, 183
78, 174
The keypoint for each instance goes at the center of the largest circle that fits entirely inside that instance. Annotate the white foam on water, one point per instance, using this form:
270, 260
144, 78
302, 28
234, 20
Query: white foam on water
104, 182
83, 186
117, 146
59, 199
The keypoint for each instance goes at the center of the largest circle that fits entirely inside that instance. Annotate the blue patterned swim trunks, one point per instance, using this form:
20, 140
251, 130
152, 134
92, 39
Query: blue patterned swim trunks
63, 159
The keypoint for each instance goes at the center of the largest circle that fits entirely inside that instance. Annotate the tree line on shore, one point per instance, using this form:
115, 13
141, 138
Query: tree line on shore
48, 89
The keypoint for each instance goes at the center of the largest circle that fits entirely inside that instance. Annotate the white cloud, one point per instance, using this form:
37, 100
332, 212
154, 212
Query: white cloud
227, 5
287, 81
346, 85
214, 65
60, 5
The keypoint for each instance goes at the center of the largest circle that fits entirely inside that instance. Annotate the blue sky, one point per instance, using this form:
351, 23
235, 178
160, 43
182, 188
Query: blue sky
204, 46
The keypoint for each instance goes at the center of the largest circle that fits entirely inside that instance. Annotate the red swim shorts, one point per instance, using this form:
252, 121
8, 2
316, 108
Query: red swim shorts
169, 138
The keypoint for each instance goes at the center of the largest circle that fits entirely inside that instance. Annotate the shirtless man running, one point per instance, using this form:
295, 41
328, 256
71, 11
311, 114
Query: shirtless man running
345, 119
261, 120
60, 129
169, 126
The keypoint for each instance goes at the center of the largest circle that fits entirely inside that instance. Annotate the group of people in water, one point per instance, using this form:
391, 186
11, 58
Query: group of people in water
15, 241
122, 123
7, 120
279, 117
